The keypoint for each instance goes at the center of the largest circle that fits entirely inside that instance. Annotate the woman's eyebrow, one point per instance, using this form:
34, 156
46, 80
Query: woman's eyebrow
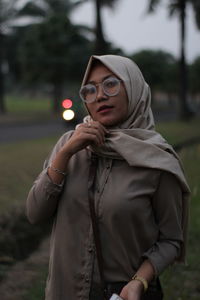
104, 78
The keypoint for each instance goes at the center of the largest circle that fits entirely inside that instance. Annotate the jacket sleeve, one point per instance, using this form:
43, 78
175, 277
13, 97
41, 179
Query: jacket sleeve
167, 207
44, 195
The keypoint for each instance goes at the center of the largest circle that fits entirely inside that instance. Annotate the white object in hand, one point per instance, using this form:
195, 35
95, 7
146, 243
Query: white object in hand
115, 297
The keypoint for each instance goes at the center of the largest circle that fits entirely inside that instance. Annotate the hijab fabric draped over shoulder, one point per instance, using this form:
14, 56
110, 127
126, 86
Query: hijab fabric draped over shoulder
135, 140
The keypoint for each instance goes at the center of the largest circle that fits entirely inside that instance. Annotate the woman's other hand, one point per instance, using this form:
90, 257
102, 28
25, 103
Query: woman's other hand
132, 291
86, 134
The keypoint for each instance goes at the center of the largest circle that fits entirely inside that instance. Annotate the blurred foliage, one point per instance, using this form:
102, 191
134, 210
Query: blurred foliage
159, 69
194, 76
175, 7
49, 53
179, 7
8, 13
54, 51
18, 237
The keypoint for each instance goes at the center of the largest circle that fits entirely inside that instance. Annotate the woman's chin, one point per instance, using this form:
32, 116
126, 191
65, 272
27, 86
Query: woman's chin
110, 123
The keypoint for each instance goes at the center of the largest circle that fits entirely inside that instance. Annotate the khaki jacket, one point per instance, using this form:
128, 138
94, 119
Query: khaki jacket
139, 213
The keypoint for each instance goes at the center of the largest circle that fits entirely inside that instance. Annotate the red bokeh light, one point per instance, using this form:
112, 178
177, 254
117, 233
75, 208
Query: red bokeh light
67, 103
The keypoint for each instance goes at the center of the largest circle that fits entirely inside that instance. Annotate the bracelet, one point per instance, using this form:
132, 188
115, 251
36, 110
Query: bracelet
142, 280
57, 170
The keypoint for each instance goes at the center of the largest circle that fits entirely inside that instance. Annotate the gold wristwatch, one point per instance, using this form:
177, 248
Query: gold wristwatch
141, 279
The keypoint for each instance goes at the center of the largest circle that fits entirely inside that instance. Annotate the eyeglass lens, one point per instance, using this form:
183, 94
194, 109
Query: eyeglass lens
111, 87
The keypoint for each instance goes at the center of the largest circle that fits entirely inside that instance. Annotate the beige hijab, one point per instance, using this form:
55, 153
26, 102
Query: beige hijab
136, 140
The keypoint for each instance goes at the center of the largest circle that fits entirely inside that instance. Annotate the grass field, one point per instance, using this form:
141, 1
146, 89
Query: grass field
21, 162
27, 109
21, 104
31, 109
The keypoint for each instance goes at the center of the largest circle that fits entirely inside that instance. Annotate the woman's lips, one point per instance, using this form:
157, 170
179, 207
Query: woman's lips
104, 108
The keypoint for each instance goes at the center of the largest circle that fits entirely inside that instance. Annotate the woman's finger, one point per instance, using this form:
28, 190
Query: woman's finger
86, 135
91, 139
95, 132
99, 126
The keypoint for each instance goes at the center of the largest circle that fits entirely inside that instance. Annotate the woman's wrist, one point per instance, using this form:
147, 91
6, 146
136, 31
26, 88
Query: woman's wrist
143, 282
67, 151
57, 170
137, 285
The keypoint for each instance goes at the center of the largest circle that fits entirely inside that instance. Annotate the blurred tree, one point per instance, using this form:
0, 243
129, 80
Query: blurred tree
10, 12
101, 46
7, 10
11, 46
195, 75
55, 50
158, 67
179, 7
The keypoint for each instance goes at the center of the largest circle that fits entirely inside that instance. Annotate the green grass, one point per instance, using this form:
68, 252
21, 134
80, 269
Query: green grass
182, 282
23, 109
26, 109
176, 132
21, 162
36, 292
16, 104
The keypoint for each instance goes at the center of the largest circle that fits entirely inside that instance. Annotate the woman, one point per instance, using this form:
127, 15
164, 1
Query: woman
140, 194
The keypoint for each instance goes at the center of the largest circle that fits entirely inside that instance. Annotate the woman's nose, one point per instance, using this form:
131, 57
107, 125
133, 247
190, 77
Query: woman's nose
100, 93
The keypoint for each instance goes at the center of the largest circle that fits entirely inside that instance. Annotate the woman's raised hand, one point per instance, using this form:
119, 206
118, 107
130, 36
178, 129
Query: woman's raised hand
86, 134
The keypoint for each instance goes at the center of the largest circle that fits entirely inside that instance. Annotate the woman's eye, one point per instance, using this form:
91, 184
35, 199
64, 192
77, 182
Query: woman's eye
111, 83
91, 90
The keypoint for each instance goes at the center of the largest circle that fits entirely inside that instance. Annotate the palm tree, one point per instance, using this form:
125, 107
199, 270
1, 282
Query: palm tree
179, 7
101, 46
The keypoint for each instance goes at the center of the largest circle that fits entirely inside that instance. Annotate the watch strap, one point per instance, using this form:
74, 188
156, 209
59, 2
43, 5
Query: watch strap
142, 280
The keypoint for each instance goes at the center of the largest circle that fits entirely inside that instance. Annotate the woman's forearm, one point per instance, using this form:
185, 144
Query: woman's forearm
146, 271
58, 166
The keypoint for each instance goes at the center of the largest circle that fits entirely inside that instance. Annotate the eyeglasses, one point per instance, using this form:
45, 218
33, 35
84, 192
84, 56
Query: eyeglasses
110, 86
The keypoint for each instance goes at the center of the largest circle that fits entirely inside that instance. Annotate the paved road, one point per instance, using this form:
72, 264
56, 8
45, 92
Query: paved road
19, 132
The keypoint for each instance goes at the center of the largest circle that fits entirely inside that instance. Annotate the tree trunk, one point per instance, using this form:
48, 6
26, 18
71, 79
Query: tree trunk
100, 43
2, 92
57, 94
185, 112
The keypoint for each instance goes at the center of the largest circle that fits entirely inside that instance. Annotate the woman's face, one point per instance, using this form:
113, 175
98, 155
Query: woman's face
108, 110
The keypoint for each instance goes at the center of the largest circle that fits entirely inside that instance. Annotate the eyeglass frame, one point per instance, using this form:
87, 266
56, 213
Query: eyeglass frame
101, 84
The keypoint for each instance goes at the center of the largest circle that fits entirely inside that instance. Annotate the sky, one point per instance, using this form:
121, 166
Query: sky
129, 27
